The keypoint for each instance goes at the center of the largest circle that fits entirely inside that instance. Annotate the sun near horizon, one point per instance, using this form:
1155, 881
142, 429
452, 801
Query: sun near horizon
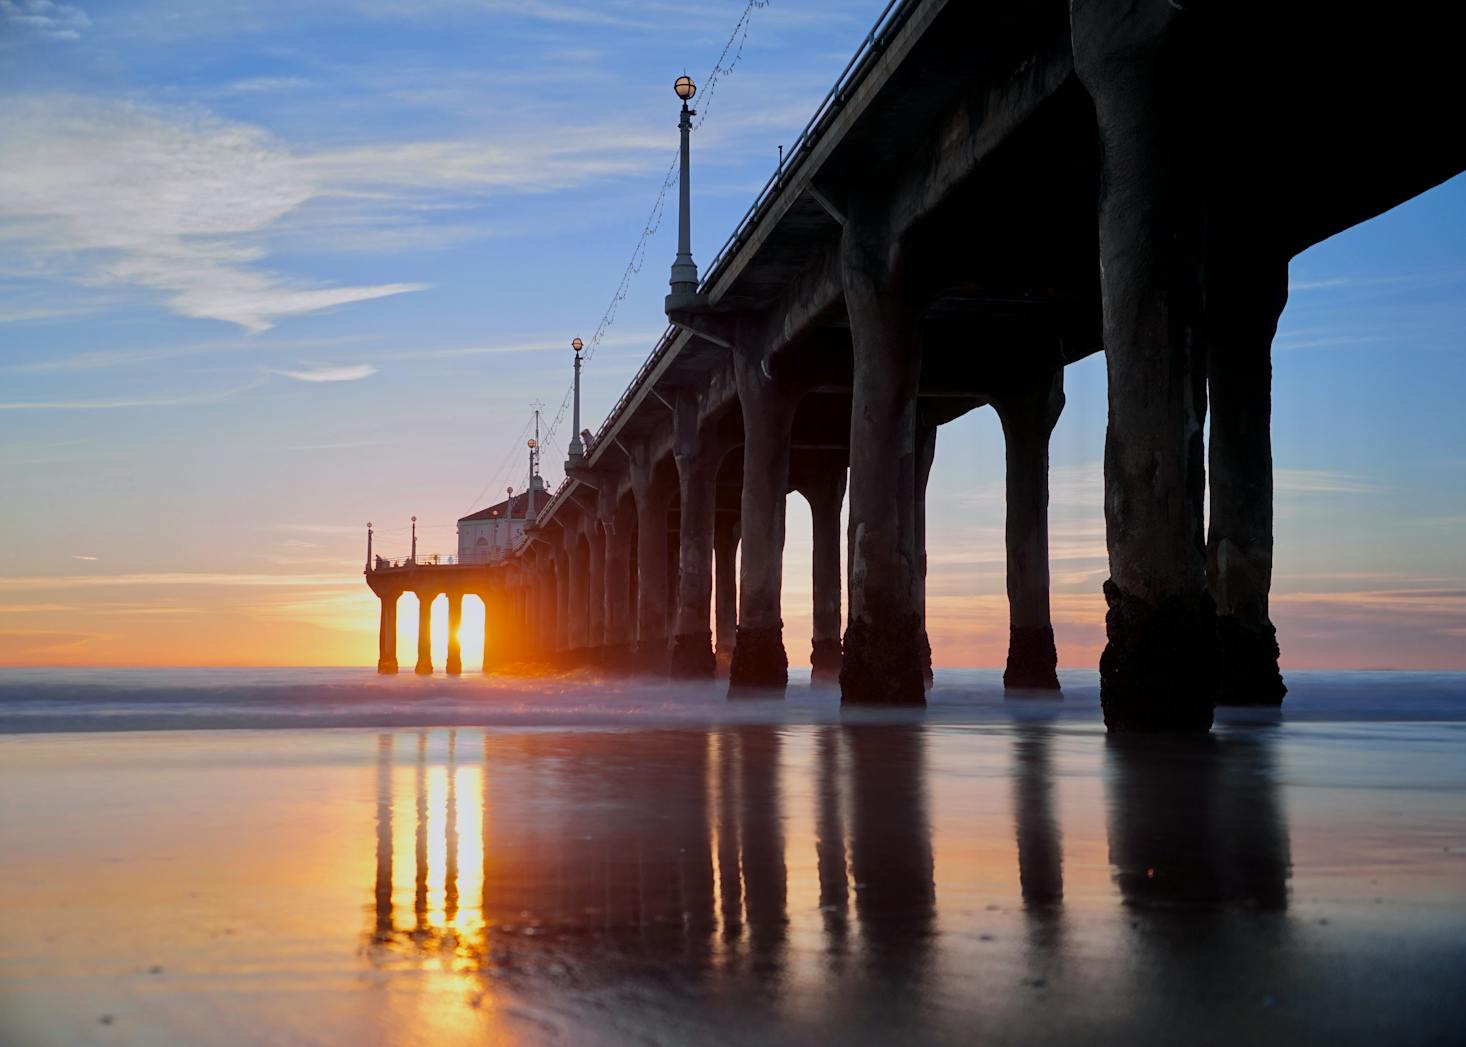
251, 301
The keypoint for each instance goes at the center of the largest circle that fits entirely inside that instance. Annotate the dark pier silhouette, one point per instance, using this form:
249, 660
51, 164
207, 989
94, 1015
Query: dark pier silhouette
991, 192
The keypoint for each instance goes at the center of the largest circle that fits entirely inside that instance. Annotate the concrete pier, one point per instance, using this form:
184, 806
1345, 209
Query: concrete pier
1029, 411
725, 585
620, 624
654, 489
424, 665
595, 631
824, 490
560, 642
926, 454
387, 633
455, 625
578, 594
698, 458
1245, 297
1159, 667
949, 235
883, 651
759, 659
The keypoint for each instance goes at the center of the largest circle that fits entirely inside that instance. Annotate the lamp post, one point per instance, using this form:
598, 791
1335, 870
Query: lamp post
684, 269
533, 470
414, 540
576, 450
369, 546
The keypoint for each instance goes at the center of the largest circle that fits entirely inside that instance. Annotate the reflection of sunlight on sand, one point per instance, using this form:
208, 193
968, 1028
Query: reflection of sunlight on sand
437, 861
840, 882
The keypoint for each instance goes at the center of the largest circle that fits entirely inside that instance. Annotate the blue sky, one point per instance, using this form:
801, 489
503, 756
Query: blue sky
268, 271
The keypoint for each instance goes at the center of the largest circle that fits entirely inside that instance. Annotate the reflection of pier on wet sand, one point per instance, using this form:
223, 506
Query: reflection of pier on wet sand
747, 884
613, 858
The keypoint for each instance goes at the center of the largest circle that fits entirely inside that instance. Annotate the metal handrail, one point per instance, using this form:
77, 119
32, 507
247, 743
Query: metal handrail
382, 563
646, 368
892, 17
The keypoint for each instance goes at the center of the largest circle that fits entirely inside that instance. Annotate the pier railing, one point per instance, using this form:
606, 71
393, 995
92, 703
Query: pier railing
382, 563
892, 17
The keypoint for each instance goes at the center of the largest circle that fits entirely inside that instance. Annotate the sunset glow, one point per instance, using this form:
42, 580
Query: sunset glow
204, 405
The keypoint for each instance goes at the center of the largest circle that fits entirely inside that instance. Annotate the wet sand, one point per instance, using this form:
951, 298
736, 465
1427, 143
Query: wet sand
1017, 878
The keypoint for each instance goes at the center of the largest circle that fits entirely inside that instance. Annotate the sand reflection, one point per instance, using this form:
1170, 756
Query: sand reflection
1197, 822
612, 847
837, 882
684, 856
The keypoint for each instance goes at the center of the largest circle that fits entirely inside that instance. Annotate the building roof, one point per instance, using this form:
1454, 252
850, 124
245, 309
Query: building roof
499, 510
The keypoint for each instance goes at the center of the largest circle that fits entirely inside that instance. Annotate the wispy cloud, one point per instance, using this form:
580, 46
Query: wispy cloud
1434, 607
308, 528
263, 84
170, 578
643, 339
80, 556
1081, 485
181, 201
1290, 342
21, 646
338, 445
186, 400
103, 358
1320, 481
1393, 280
45, 18
166, 201
346, 373
599, 13
528, 161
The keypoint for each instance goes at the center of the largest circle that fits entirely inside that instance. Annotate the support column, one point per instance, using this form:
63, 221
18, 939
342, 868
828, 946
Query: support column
1159, 668
524, 606
533, 613
1244, 299
455, 624
653, 495
725, 588
387, 634
560, 642
498, 628
578, 557
548, 598
825, 492
620, 627
698, 458
424, 665
926, 455
595, 585
759, 659
884, 654
1029, 413
521, 642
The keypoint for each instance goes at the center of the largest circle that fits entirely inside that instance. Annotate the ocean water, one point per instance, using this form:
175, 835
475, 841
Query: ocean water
325, 856
33, 700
